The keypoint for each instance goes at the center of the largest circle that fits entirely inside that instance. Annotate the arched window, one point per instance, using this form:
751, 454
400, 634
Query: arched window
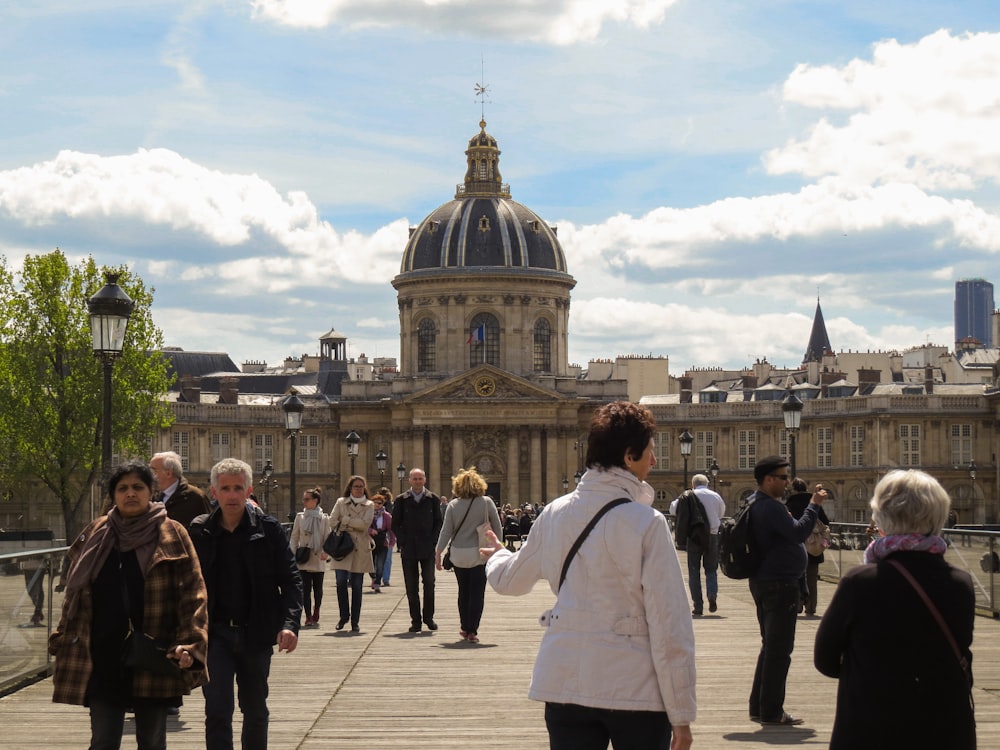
542, 348
426, 346
484, 340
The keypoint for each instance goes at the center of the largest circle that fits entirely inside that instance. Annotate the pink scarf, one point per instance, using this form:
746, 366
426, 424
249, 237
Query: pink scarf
883, 546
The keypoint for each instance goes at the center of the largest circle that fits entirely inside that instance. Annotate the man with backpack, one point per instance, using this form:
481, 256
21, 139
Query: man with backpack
774, 585
698, 513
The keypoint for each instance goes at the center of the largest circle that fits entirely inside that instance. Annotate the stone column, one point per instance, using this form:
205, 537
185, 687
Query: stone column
535, 469
513, 484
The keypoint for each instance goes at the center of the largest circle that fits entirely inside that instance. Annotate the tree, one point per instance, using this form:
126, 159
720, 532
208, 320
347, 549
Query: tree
51, 383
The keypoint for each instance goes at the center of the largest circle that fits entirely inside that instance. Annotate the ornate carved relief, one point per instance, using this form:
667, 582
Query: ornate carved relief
443, 299
484, 300
508, 299
484, 441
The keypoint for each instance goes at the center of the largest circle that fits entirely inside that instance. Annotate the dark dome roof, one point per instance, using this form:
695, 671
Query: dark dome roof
482, 227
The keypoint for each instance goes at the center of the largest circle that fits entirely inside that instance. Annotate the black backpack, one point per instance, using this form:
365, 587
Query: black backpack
738, 556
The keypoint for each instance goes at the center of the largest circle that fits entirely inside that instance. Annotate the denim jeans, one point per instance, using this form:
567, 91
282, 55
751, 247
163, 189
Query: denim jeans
777, 608
425, 569
388, 566
471, 596
573, 727
379, 555
107, 722
229, 658
350, 606
709, 558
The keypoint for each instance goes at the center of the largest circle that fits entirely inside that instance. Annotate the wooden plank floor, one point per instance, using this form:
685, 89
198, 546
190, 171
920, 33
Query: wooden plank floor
430, 690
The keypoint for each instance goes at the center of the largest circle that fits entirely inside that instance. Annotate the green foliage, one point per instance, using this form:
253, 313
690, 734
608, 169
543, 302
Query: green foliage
51, 384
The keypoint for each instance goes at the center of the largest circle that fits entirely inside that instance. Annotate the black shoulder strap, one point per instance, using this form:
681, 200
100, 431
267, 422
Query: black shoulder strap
462, 522
585, 533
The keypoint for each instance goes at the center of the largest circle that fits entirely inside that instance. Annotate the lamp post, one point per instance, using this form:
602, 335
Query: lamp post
714, 471
293, 408
268, 472
565, 484
381, 459
686, 440
791, 410
110, 310
578, 476
401, 475
353, 441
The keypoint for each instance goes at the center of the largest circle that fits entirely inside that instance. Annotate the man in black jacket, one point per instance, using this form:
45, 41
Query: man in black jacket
254, 601
416, 521
184, 503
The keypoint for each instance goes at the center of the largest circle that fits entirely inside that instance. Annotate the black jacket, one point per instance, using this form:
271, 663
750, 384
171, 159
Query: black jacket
275, 584
417, 525
692, 521
186, 504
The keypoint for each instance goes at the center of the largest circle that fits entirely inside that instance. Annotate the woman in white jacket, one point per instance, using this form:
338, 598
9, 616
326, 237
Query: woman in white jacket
616, 662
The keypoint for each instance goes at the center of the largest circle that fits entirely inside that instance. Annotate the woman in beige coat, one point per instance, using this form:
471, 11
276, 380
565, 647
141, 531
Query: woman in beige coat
310, 530
353, 513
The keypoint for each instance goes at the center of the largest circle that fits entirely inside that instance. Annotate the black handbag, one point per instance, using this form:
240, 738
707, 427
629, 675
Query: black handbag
142, 651
339, 544
302, 554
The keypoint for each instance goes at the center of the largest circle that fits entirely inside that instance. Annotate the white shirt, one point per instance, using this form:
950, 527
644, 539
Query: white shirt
715, 507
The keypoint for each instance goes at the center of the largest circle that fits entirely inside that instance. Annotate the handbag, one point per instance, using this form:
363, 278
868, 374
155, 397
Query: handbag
142, 651
339, 544
819, 539
302, 555
482, 528
446, 562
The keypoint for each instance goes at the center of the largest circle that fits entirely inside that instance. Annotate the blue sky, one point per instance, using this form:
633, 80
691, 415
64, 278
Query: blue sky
711, 165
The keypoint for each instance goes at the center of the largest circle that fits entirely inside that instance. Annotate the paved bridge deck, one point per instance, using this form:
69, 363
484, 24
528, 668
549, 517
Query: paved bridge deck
430, 690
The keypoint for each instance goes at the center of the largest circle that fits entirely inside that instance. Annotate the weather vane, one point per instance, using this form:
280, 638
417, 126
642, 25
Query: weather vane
483, 91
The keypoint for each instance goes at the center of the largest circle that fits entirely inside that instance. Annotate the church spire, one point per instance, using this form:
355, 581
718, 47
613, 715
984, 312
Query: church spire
819, 341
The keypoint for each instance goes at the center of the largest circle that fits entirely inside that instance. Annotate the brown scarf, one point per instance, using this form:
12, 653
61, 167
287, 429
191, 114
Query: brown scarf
140, 534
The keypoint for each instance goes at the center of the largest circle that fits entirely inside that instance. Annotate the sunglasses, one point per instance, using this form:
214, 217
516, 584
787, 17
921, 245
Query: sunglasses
782, 477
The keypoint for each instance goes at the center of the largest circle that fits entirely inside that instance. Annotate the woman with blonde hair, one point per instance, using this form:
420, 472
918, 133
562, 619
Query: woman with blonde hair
902, 684
353, 513
466, 513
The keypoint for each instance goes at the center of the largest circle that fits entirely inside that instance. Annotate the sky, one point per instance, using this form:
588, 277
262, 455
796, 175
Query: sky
713, 166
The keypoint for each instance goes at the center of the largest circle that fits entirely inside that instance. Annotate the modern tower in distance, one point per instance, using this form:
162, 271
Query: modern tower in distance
973, 311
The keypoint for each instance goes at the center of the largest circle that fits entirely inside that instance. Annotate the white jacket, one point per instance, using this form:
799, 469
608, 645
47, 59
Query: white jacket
620, 633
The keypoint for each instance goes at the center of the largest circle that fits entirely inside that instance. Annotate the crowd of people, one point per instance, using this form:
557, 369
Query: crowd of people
171, 589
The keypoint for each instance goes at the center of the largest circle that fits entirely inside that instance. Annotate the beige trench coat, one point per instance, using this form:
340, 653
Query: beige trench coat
355, 517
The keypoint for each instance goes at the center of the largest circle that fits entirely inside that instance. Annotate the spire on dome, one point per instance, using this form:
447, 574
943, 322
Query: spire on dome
482, 177
819, 340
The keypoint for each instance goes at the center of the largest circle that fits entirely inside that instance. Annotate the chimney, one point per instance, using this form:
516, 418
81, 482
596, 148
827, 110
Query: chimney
749, 383
229, 390
868, 379
928, 380
685, 383
190, 387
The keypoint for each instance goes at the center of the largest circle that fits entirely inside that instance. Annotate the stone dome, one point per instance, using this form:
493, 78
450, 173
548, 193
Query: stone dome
482, 227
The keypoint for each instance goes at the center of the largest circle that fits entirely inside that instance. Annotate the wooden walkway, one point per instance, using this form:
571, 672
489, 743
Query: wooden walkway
394, 689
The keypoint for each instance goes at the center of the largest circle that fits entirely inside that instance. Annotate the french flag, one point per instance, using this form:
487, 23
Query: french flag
477, 334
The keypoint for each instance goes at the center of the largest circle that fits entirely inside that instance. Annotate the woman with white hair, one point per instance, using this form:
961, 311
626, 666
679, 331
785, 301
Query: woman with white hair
904, 663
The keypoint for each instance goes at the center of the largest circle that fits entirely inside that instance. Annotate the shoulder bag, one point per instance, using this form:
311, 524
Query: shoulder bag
584, 534
142, 651
339, 544
446, 563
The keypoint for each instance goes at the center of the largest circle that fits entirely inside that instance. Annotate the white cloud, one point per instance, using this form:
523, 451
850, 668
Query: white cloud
558, 22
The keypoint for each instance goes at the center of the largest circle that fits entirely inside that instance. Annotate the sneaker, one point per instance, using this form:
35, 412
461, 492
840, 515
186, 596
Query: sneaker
713, 605
786, 720
697, 612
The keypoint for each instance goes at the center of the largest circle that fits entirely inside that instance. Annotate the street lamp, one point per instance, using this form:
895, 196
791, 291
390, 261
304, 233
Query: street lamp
268, 472
578, 476
714, 471
565, 484
791, 410
401, 474
109, 311
686, 440
380, 460
353, 440
293, 408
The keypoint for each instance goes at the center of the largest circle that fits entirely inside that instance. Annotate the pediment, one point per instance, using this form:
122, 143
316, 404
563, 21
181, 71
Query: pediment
484, 385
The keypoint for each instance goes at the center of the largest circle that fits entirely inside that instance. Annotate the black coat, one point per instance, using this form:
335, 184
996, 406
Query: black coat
186, 504
900, 683
273, 576
417, 525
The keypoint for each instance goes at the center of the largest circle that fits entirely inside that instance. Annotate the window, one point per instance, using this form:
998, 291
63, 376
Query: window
181, 442
426, 346
747, 448
263, 451
308, 450
484, 340
220, 446
961, 444
824, 447
857, 445
704, 448
542, 360
909, 444
662, 450
783, 444
861, 516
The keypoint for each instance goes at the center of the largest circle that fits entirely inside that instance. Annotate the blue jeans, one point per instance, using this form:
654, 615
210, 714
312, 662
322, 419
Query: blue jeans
709, 558
573, 727
229, 658
388, 566
777, 609
350, 607
378, 560
107, 722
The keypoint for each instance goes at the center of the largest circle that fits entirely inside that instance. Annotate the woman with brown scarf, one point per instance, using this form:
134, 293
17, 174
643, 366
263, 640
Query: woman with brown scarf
132, 571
